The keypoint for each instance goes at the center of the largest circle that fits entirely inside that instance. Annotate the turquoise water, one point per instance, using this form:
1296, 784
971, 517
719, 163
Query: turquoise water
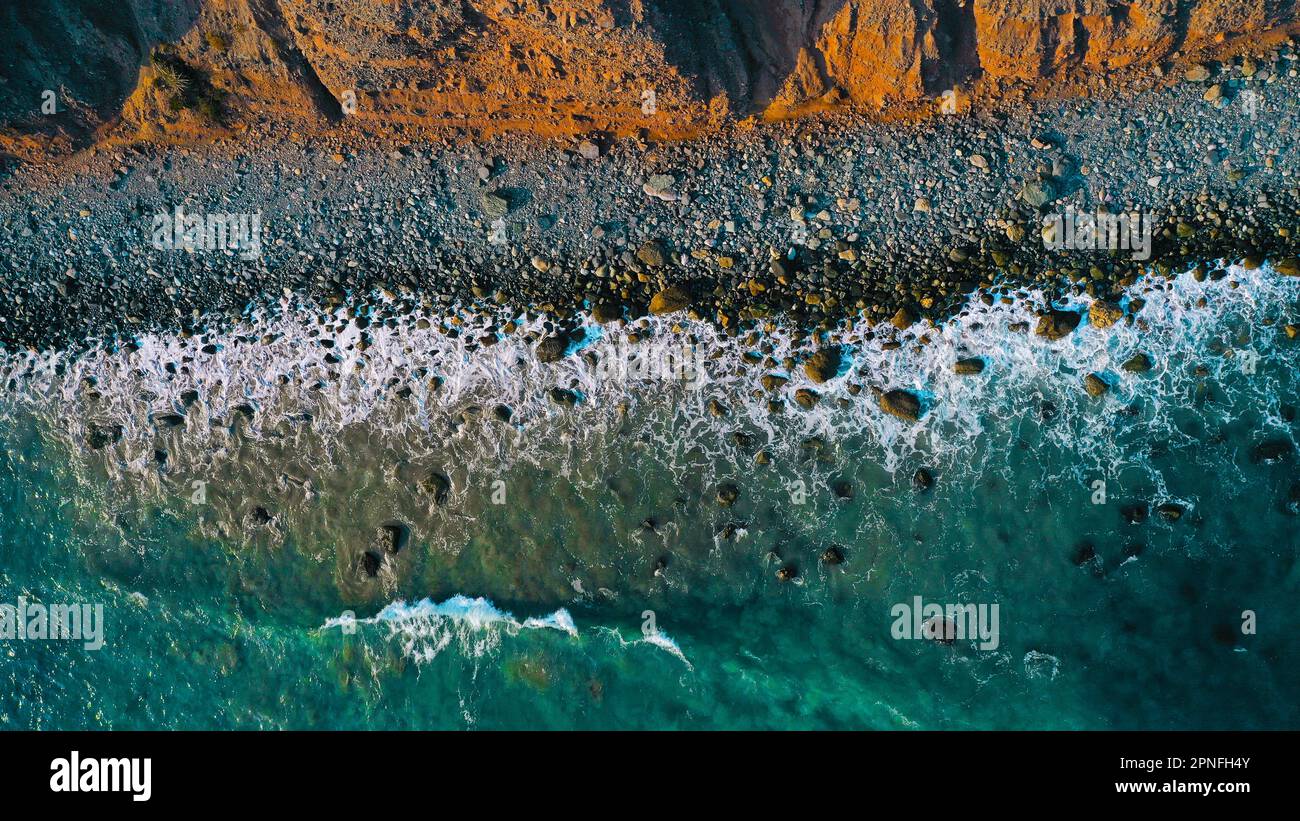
572, 566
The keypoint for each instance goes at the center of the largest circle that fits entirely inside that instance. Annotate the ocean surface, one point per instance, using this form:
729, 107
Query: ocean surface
320, 520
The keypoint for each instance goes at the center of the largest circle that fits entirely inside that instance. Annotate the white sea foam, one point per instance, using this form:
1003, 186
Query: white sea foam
270, 384
426, 628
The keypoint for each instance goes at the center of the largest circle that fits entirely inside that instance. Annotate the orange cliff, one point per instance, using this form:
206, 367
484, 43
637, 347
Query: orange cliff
193, 69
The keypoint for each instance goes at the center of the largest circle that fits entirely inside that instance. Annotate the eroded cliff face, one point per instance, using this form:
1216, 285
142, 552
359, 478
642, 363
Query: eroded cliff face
182, 69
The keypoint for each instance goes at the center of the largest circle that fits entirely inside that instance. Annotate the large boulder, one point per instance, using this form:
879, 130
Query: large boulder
903, 404
824, 364
1095, 385
1103, 314
669, 301
1054, 324
551, 349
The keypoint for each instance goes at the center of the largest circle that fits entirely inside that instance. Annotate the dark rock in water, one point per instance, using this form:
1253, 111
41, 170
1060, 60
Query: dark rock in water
1135, 514
1095, 385
729, 530
1055, 324
939, 629
563, 397
922, 480
1103, 314
903, 319
716, 408
1137, 363
1170, 511
189, 397
606, 312
1272, 452
160, 456
969, 367
743, 440
1084, 552
661, 564
261, 515
649, 524
1224, 634
1047, 411
389, 539
806, 398
171, 420
1291, 504
787, 573
832, 556
370, 563
437, 485
728, 494
101, 435
773, 382
502, 413
903, 404
669, 301
842, 489
824, 364
551, 349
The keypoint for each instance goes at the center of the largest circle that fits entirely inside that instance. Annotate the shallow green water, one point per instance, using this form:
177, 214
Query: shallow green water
559, 519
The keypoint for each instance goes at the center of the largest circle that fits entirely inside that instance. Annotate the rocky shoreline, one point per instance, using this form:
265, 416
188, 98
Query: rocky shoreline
813, 221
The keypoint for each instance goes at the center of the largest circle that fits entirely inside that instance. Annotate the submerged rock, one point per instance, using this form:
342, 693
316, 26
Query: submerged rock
1272, 452
1135, 514
563, 397
1291, 504
832, 556
727, 495
1137, 363
939, 629
438, 486
787, 573
1170, 511
922, 480
389, 539
101, 435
